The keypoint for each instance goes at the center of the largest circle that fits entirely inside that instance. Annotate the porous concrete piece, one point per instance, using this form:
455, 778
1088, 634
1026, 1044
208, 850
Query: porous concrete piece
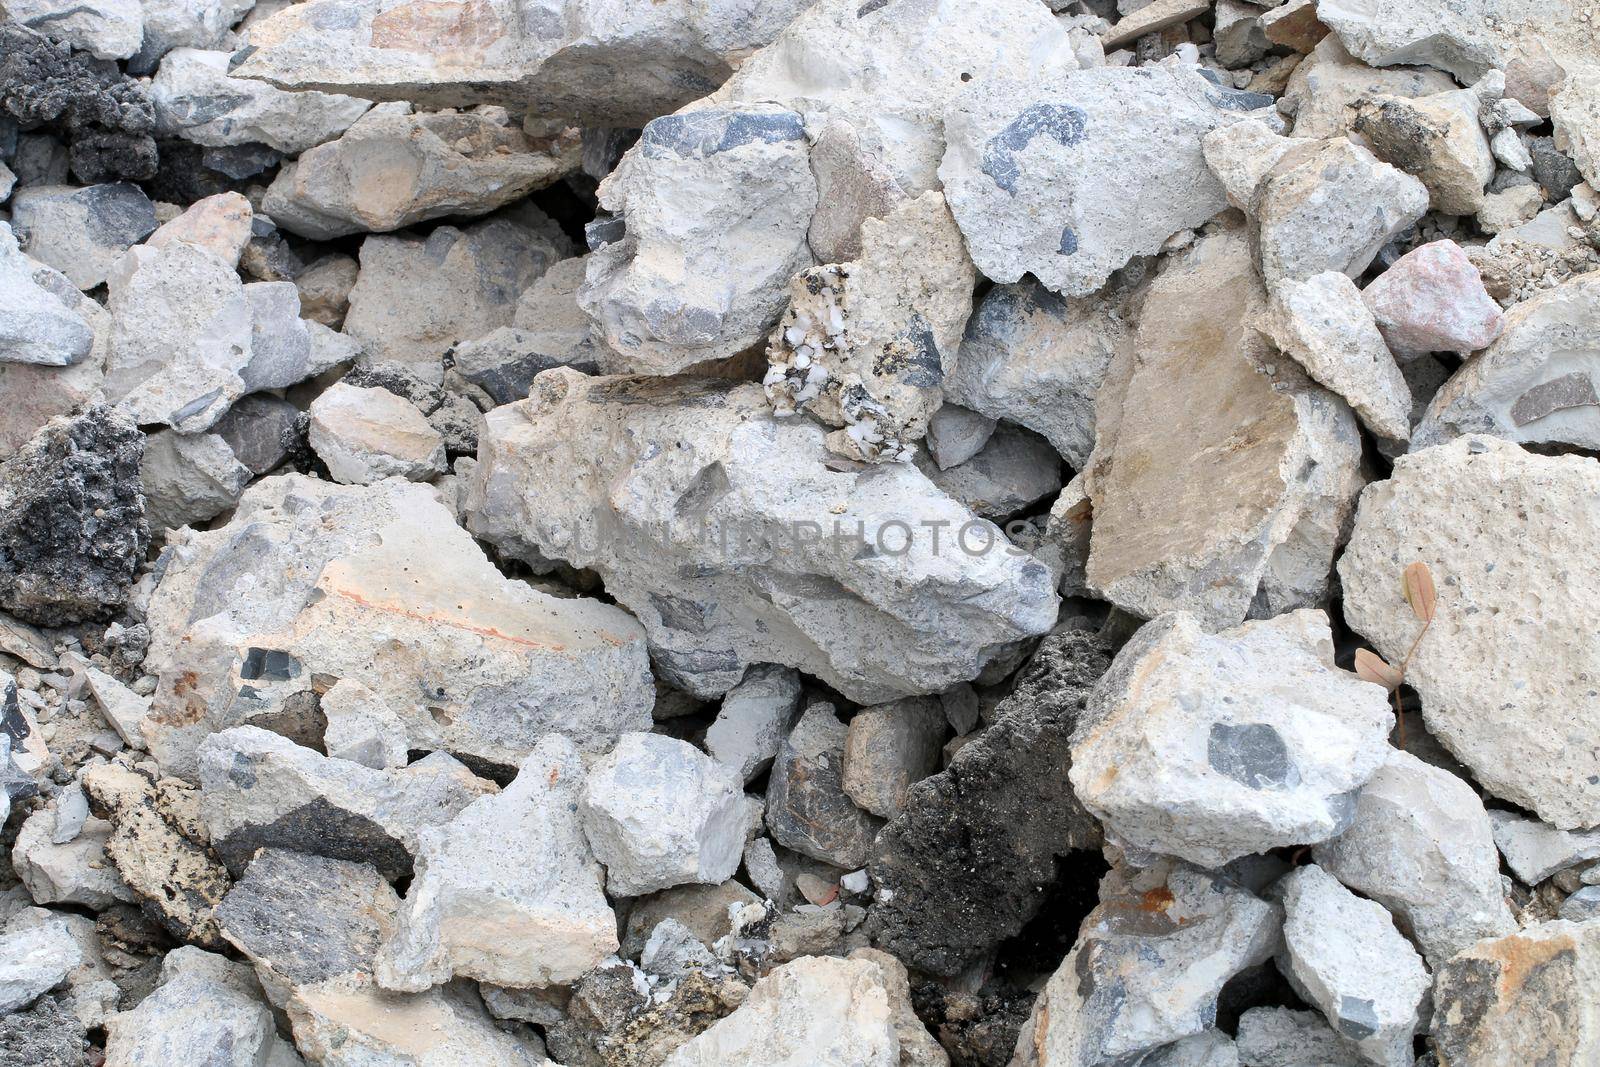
1468, 40
286, 349
415, 296
36, 326
1032, 170
1508, 643
181, 336
365, 435
571, 473
888, 749
1242, 153
188, 478
1520, 999
1436, 138
259, 789
393, 169
1283, 1037
1037, 359
1536, 383
207, 1009
955, 434
807, 807
548, 329
1534, 850
507, 891
261, 429
1322, 323
81, 232
1151, 18
1196, 510
1148, 965
816, 1011
196, 98
325, 287
755, 717
70, 872
1432, 299
1420, 845
1325, 89
362, 728
33, 961
159, 846
1214, 746
340, 1026
106, 29
866, 345
685, 284
220, 224
1330, 205
379, 585
702, 910
72, 525
967, 863
1575, 115
576, 60
658, 812
170, 24
1346, 956
304, 920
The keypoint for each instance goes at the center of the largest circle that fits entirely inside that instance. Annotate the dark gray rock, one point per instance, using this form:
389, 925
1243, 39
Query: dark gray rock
72, 523
971, 858
807, 807
303, 919
46, 1035
263, 431
1553, 169
106, 118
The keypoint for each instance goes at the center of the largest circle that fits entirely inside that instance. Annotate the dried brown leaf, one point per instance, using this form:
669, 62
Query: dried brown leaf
1420, 593
1371, 667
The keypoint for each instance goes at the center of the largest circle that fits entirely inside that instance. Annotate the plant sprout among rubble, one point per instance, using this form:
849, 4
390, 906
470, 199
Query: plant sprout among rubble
1424, 600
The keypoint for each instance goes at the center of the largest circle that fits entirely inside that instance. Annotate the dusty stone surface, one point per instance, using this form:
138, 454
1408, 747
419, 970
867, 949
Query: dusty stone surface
1452, 507
365, 435
754, 719
81, 231
1438, 139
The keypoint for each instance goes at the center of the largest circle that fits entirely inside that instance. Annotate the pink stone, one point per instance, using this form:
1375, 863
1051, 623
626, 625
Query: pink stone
1433, 300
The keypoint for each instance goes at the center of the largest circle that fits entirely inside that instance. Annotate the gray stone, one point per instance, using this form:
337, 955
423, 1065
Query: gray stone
1013, 470
1581, 906
106, 29
1330, 205
807, 807
170, 24
36, 326
955, 434
81, 231
362, 728
703, 910
207, 1009
1535, 384
286, 349
507, 891
379, 585
967, 863
260, 790
747, 573
1324, 325
325, 286
1037, 359
393, 169
853, 185
220, 224
1507, 641
305, 920
181, 336
261, 430
46, 1035
1345, 956
1034, 169
1519, 999
1438, 139
71, 872
338, 1026
1420, 845
197, 99
755, 717
416, 297
1324, 90
1553, 169
33, 961
658, 812
189, 478
1214, 746
1534, 850
575, 60
1148, 966
888, 749
72, 525
365, 435
1282, 1037
684, 285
